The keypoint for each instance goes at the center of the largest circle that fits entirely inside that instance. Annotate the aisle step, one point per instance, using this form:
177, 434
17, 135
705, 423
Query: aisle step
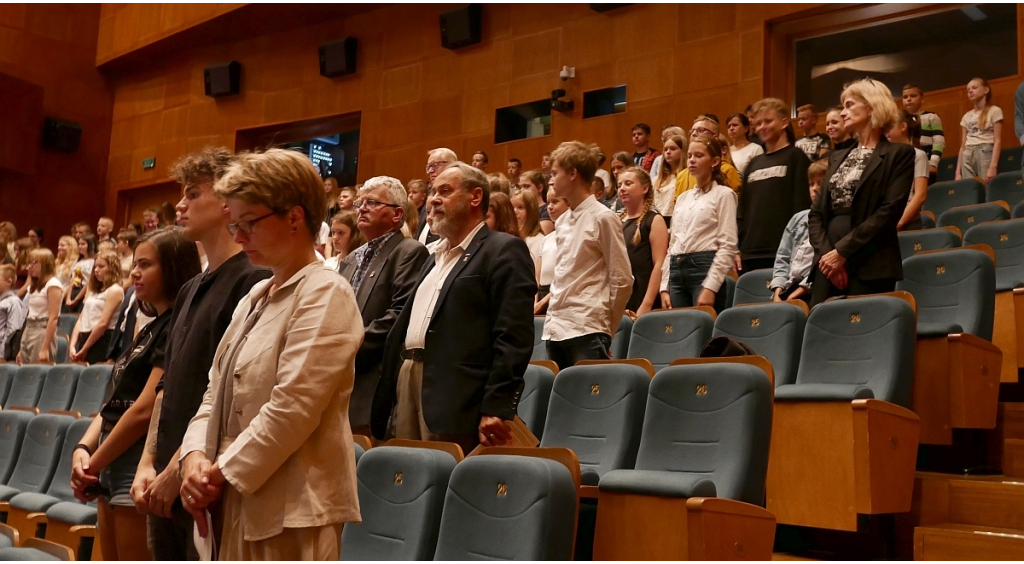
1013, 458
991, 501
967, 542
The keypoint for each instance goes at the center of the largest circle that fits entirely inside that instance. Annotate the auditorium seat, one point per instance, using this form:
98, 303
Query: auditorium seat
40, 451
516, 506
37, 550
8, 370
59, 388
27, 385
540, 350
966, 217
773, 330
729, 287
1007, 240
533, 402
918, 240
844, 443
73, 524
1009, 160
1018, 211
947, 169
598, 411
928, 220
956, 367
698, 482
62, 355
91, 390
753, 287
12, 433
8, 537
1007, 187
665, 335
28, 509
66, 323
401, 496
620, 342
945, 195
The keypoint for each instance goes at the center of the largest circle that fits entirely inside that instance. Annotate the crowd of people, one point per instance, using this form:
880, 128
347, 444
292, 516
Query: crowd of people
258, 324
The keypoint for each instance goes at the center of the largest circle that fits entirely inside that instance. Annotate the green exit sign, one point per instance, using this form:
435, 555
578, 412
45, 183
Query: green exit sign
149, 163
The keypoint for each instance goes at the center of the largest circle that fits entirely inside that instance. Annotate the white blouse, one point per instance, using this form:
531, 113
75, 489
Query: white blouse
704, 222
742, 157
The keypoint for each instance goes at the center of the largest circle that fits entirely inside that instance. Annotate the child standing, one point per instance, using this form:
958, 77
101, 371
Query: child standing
813, 144
791, 279
982, 128
932, 139
907, 130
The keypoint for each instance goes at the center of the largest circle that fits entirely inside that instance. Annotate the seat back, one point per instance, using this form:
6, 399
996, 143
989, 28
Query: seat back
945, 195
774, 330
12, 432
540, 350
1007, 239
710, 421
947, 169
59, 387
533, 402
60, 486
955, 291
620, 342
508, 508
92, 388
62, 354
856, 349
40, 451
1007, 187
597, 411
28, 384
912, 242
1018, 211
966, 217
66, 323
754, 287
1009, 160
401, 496
7, 372
663, 336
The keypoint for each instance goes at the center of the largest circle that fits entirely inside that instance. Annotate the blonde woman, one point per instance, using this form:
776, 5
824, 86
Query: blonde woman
527, 209
67, 256
672, 163
646, 235
103, 296
38, 339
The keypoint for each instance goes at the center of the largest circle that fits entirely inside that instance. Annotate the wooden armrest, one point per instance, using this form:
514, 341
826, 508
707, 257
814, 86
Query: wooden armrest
589, 492
11, 533
58, 551
5, 506
451, 448
884, 407
974, 341
549, 364
731, 506
34, 410
83, 531
641, 362
36, 517
74, 414
363, 441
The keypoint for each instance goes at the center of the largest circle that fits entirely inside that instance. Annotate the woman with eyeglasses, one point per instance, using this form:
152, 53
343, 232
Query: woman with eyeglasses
269, 454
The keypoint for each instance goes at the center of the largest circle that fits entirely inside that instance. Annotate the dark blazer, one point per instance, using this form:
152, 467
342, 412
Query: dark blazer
387, 286
478, 343
872, 249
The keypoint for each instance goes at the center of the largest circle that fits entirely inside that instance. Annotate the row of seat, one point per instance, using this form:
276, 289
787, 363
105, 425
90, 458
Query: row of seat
1008, 161
72, 389
1007, 187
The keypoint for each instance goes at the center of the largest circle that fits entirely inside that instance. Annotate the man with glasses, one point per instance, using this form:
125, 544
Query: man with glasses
707, 124
437, 160
383, 272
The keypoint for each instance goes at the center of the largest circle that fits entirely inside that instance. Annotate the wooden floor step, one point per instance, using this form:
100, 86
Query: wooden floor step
1011, 419
1013, 458
966, 542
991, 501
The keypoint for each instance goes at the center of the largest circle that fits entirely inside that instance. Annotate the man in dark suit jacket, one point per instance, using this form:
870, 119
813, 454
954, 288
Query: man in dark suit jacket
454, 361
383, 273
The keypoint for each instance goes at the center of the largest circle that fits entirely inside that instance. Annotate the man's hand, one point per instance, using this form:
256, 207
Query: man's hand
494, 431
162, 491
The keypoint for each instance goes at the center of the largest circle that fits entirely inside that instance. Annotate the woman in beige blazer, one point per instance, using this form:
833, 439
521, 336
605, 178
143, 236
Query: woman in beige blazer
271, 442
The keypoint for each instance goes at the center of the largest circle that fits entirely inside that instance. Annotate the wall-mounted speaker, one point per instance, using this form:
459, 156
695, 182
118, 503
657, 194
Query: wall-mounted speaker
462, 26
61, 135
338, 58
607, 7
223, 79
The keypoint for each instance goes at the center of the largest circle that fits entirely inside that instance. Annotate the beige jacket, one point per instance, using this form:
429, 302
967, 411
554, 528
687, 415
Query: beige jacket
293, 461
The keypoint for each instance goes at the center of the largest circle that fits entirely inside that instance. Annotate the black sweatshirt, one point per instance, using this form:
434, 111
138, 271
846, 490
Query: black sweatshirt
774, 188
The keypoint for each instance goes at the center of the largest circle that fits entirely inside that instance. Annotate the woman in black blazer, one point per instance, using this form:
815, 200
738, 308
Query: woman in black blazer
852, 223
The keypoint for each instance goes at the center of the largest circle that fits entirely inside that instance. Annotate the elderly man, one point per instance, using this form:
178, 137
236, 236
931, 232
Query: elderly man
383, 273
437, 160
454, 361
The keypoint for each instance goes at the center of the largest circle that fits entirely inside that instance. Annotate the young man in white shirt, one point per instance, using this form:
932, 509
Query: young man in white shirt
593, 278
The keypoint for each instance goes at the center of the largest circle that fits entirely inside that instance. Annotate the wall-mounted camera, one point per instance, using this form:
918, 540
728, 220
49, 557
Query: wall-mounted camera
567, 72
559, 105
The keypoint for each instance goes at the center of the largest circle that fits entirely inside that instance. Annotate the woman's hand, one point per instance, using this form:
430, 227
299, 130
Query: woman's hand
44, 355
144, 476
644, 308
81, 478
162, 491
666, 300
538, 308
958, 176
992, 171
493, 431
706, 298
197, 491
79, 356
831, 262
777, 295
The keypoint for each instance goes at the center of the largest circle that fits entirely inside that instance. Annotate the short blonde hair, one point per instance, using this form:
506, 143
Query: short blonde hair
878, 97
773, 104
443, 152
279, 179
8, 272
575, 155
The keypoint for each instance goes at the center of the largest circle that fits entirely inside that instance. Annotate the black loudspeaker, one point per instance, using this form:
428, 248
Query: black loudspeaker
462, 26
338, 58
607, 7
61, 135
223, 79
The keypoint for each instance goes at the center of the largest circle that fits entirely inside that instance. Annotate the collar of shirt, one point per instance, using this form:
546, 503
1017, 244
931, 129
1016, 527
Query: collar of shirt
371, 247
445, 247
583, 208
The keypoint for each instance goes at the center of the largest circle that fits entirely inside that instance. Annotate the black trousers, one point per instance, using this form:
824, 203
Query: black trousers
171, 539
585, 347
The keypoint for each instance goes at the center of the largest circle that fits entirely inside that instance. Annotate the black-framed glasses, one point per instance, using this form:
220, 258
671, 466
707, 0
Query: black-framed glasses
436, 165
246, 225
372, 204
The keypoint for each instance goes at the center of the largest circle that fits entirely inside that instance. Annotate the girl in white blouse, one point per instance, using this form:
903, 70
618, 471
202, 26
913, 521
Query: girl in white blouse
103, 297
703, 237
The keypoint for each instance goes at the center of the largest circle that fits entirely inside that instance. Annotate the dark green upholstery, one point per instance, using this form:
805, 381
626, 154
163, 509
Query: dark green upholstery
774, 330
28, 384
663, 336
945, 195
59, 387
73, 513
60, 487
753, 287
947, 169
66, 323
533, 403
25, 554
598, 412
92, 387
540, 350
620, 341
729, 287
12, 432
1008, 187
1009, 160
1007, 239
62, 356
927, 222
916, 241
955, 292
856, 349
966, 217
1018, 211
40, 451
401, 496
533, 520
706, 433
7, 372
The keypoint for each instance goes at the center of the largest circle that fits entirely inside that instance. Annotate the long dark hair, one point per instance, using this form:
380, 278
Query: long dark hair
179, 262
743, 120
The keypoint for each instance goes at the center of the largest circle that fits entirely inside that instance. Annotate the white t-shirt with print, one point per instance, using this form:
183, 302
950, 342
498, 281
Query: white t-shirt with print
976, 135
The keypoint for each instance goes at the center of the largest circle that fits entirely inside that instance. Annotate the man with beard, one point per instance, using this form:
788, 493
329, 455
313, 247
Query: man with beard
454, 362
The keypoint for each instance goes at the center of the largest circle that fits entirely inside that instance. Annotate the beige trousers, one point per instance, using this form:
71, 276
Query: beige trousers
308, 543
409, 422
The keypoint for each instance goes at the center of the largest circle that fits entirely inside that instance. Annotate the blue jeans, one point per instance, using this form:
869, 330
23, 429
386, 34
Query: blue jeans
686, 279
585, 347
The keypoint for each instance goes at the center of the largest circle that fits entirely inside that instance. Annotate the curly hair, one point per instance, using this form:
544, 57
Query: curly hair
206, 165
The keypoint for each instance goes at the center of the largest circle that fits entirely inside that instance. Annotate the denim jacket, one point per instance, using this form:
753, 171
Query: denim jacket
795, 235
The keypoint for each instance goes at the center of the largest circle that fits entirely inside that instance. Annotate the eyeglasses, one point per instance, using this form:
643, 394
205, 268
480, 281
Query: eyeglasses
245, 226
436, 165
701, 131
372, 204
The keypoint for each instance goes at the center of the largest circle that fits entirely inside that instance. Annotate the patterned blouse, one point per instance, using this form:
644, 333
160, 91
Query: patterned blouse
845, 178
